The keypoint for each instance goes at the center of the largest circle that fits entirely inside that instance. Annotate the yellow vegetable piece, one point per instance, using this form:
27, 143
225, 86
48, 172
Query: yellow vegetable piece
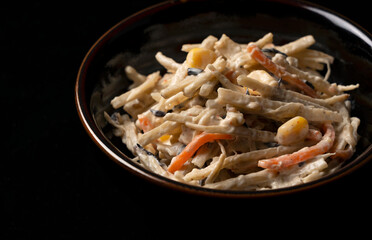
200, 58
292, 131
164, 137
251, 92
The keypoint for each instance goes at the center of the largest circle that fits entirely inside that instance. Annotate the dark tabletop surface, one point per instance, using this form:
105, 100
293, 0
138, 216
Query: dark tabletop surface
55, 183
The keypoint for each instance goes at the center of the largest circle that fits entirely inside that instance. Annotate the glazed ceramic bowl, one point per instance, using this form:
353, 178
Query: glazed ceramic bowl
166, 26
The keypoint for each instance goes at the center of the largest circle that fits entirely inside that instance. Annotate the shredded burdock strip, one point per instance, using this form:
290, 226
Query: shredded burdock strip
238, 116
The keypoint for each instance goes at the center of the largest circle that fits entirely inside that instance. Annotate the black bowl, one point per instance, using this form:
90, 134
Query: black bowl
166, 26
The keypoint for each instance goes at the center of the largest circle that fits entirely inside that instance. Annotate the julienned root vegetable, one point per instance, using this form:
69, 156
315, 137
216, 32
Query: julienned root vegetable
193, 146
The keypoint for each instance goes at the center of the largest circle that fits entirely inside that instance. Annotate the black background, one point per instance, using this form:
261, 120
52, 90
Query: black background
55, 183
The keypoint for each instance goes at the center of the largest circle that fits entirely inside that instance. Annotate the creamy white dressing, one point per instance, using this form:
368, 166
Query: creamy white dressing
235, 95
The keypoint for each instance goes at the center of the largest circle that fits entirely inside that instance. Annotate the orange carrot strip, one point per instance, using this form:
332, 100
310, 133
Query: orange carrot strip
278, 71
145, 124
193, 146
303, 154
231, 76
343, 154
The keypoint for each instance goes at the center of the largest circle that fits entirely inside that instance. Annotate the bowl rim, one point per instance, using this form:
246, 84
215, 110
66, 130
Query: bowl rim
89, 124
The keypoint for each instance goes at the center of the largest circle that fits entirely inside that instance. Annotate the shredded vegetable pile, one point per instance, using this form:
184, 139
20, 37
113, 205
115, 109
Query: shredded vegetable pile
251, 116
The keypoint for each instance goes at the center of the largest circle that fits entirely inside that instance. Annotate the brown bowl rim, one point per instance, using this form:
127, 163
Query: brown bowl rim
117, 156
